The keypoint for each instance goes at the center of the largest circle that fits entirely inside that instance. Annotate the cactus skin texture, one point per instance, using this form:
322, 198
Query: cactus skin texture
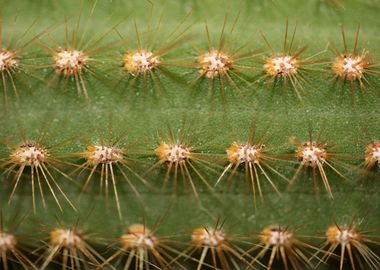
167, 102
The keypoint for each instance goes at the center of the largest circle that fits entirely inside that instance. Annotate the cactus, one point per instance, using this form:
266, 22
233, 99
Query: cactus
189, 134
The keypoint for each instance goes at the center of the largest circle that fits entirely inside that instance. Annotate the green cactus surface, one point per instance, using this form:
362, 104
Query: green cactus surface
176, 104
